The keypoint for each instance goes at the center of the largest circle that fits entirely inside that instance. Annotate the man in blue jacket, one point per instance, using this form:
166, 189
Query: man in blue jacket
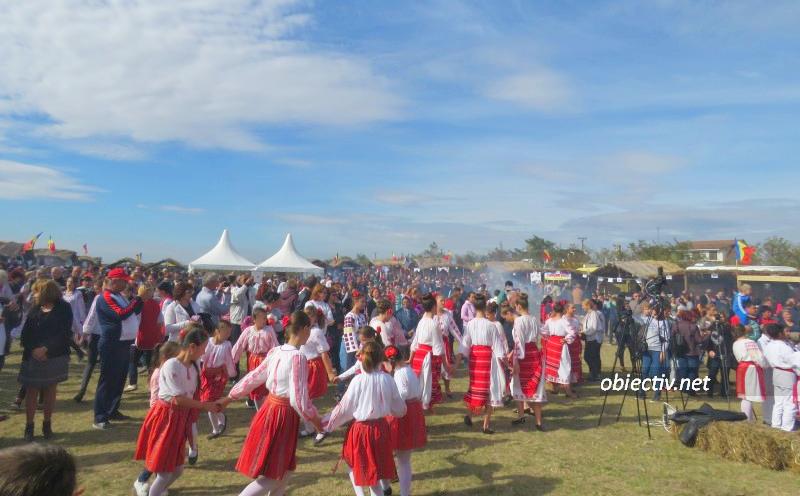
118, 326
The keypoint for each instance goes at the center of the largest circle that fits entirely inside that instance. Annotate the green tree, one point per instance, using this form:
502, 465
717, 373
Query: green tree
535, 247
779, 251
362, 259
433, 251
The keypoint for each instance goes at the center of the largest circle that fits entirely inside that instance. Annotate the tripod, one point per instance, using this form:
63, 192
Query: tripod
717, 338
624, 339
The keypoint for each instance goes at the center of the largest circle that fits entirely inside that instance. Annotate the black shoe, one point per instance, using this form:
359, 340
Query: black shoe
29, 433
488, 431
320, 437
79, 397
467, 420
540, 427
193, 459
387, 491
250, 403
47, 429
118, 416
518, 421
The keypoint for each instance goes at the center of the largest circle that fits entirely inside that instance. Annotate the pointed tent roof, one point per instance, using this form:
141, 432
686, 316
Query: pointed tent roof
288, 260
222, 257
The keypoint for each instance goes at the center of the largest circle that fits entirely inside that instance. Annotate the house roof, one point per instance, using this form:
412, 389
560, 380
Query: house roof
646, 269
721, 244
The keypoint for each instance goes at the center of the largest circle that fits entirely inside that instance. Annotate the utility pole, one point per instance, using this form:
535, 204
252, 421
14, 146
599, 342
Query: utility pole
582, 239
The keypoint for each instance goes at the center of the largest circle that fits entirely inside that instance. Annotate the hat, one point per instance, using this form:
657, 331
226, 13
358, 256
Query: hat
118, 273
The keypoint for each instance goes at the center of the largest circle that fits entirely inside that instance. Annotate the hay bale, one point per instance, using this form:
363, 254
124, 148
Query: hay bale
751, 443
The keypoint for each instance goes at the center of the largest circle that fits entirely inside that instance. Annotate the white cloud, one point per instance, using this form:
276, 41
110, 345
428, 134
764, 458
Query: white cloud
20, 181
110, 151
201, 72
173, 208
540, 89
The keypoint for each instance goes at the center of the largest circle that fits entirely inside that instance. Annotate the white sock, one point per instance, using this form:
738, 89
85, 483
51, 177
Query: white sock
357, 489
193, 443
263, 486
403, 459
747, 409
163, 481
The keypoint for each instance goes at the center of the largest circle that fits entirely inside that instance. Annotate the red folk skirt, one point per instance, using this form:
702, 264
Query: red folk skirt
253, 361
367, 450
417, 359
575, 350
741, 380
530, 370
270, 445
212, 383
317, 378
480, 370
163, 436
409, 432
553, 347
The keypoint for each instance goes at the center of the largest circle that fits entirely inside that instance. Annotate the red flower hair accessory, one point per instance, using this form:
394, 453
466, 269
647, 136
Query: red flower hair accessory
391, 352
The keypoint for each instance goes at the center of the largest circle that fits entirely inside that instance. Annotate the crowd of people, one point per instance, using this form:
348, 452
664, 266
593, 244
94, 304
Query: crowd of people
384, 345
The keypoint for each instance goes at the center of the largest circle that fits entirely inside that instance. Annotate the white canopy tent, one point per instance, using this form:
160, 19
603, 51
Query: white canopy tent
222, 257
288, 260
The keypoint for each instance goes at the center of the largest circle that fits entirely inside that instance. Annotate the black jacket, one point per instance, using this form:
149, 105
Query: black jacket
51, 329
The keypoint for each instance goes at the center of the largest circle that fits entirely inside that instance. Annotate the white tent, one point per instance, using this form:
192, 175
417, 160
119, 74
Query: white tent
222, 257
288, 260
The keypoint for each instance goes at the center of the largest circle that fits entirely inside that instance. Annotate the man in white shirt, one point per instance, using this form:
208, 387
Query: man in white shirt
593, 327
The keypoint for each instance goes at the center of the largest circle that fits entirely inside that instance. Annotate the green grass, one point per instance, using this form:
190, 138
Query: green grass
574, 457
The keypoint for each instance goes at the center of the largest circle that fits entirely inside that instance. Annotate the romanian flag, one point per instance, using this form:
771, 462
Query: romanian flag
547, 257
51, 245
744, 253
28, 246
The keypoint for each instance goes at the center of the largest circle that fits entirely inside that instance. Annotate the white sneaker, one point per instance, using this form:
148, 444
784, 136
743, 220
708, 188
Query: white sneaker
132, 387
141, 488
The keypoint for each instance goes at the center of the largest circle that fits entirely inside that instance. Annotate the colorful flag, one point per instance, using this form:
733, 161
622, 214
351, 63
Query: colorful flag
744, 252
28, 246
51, 245
85, 249
547, 257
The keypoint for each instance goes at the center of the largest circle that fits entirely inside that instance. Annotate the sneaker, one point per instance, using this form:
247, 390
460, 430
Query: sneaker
141, 488
102, 426
131, 387
119, 416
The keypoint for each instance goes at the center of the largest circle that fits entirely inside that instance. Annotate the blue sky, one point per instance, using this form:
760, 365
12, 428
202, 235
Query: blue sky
378, 127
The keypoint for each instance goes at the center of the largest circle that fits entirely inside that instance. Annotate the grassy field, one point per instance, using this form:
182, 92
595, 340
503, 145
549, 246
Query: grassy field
574, 457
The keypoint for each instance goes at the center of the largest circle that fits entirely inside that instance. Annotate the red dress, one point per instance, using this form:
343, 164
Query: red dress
409, 432
317, 378
269, 448
417, 361
150, 331
163, 437
367, 450
212, 383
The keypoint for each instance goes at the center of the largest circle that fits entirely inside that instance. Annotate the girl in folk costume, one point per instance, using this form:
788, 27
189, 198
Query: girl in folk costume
168, 350
485, 349
391, 332
218, 367
407, 432
428, 355
559, 335
785, 363
444, 320
268, 454
576, 346
167, 427
353, 321
750, 372
320, 369
365, 335
371, 397
527, 383
257, 340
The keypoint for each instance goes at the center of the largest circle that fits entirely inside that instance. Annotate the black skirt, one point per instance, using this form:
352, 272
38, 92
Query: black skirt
36, 374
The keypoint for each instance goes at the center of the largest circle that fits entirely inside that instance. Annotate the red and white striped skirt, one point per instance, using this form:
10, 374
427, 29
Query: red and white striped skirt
317, 378
530, 373
367, 450
480, 377
409, 432
212, 383
433, 375
253, 361
163, 436
553, 353
270, 445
